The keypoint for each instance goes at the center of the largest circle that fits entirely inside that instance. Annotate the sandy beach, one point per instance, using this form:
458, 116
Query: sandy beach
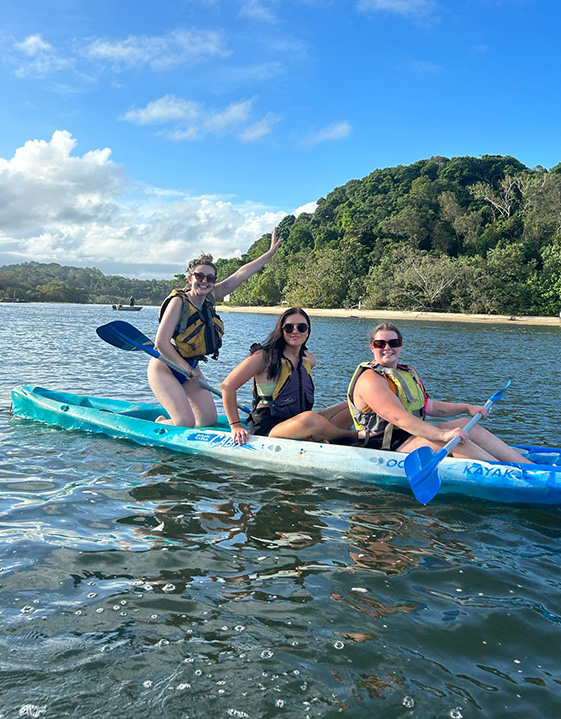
398, 316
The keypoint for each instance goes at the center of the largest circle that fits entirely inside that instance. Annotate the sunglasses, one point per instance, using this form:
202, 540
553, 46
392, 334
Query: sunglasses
289, 327
380, 344
200, 276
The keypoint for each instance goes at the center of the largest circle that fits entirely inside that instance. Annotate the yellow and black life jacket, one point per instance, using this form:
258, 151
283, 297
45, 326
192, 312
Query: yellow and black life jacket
199, 332
294, 391
404, 382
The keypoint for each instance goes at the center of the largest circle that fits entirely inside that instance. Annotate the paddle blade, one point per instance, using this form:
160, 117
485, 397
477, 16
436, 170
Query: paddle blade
125, 336
497, 396
421, 468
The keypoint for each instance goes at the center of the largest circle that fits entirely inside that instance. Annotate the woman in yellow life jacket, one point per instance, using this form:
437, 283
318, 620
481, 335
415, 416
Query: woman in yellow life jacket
388, 399
283, 389
189, 330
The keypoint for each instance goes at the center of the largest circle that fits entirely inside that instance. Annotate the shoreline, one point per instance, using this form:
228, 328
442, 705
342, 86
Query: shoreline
402, 315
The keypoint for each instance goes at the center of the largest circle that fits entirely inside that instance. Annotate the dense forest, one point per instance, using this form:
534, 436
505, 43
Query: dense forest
467, 234
38, 282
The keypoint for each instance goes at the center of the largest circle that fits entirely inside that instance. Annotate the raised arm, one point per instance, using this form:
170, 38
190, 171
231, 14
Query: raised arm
231, 283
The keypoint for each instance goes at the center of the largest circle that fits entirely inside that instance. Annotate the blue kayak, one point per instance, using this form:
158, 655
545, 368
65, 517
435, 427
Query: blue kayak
513, 483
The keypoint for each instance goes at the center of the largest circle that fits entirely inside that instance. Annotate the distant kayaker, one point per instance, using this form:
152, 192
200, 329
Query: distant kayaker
388, 400
283, 390
190, 329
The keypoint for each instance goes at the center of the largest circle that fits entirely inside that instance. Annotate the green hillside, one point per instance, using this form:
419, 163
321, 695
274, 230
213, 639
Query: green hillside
464, 234
467, 234
41, 282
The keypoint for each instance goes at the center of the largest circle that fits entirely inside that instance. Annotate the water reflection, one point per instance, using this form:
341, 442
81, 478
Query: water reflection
187, 588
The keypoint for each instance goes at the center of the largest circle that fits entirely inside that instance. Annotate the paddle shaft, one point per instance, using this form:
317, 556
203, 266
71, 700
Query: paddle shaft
421, 465
473, 421
141, 342
172, 365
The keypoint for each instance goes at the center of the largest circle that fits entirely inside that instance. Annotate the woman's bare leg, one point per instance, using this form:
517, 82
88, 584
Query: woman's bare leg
311, 426
188, 404
338, 414
488, 442
482, 445
202, 403
467, 450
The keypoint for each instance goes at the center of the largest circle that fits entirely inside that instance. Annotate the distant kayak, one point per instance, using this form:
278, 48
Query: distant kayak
513, 483
127, 308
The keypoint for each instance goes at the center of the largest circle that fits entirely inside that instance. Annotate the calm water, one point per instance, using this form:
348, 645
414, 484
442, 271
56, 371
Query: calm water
139, 583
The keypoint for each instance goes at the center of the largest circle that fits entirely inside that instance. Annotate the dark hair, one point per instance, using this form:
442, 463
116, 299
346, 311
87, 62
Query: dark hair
275, 343
202, 259
389, 327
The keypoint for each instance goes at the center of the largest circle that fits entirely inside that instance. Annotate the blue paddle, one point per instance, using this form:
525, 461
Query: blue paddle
126, 337
421, 465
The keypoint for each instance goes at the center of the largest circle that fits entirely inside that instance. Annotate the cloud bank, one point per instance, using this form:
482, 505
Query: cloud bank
83, 210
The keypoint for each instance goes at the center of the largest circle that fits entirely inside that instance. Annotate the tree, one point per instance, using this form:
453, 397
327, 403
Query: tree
509, 280
407, 279
327, 277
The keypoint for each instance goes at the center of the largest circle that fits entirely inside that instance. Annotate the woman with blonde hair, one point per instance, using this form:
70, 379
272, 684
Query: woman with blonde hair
190, 330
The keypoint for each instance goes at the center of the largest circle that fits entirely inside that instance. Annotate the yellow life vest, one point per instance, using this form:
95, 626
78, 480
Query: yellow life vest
199, 332
404, 382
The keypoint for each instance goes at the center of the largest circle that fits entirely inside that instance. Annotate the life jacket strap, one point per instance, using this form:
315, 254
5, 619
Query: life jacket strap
387, 440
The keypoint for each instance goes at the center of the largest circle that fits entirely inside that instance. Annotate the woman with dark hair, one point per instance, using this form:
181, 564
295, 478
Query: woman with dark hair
388, 399
190, 329
283, 389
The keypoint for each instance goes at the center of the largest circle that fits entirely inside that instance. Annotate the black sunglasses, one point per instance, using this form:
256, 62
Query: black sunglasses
380, 344
289, 327
200, 276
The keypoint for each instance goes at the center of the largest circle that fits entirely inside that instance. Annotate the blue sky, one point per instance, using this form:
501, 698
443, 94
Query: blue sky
134, 135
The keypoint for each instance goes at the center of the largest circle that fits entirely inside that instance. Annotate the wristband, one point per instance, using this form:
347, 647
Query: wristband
233, 423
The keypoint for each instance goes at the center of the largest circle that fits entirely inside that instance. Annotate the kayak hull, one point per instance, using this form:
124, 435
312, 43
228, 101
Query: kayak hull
496, 481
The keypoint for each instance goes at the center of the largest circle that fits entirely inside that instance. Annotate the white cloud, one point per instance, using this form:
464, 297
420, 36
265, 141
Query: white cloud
237, 113
43, 184
260, 129
336, 131
309, 207
192, 120
258, 10
166, 109
158, 52
407, 8
37, 58
57, 207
